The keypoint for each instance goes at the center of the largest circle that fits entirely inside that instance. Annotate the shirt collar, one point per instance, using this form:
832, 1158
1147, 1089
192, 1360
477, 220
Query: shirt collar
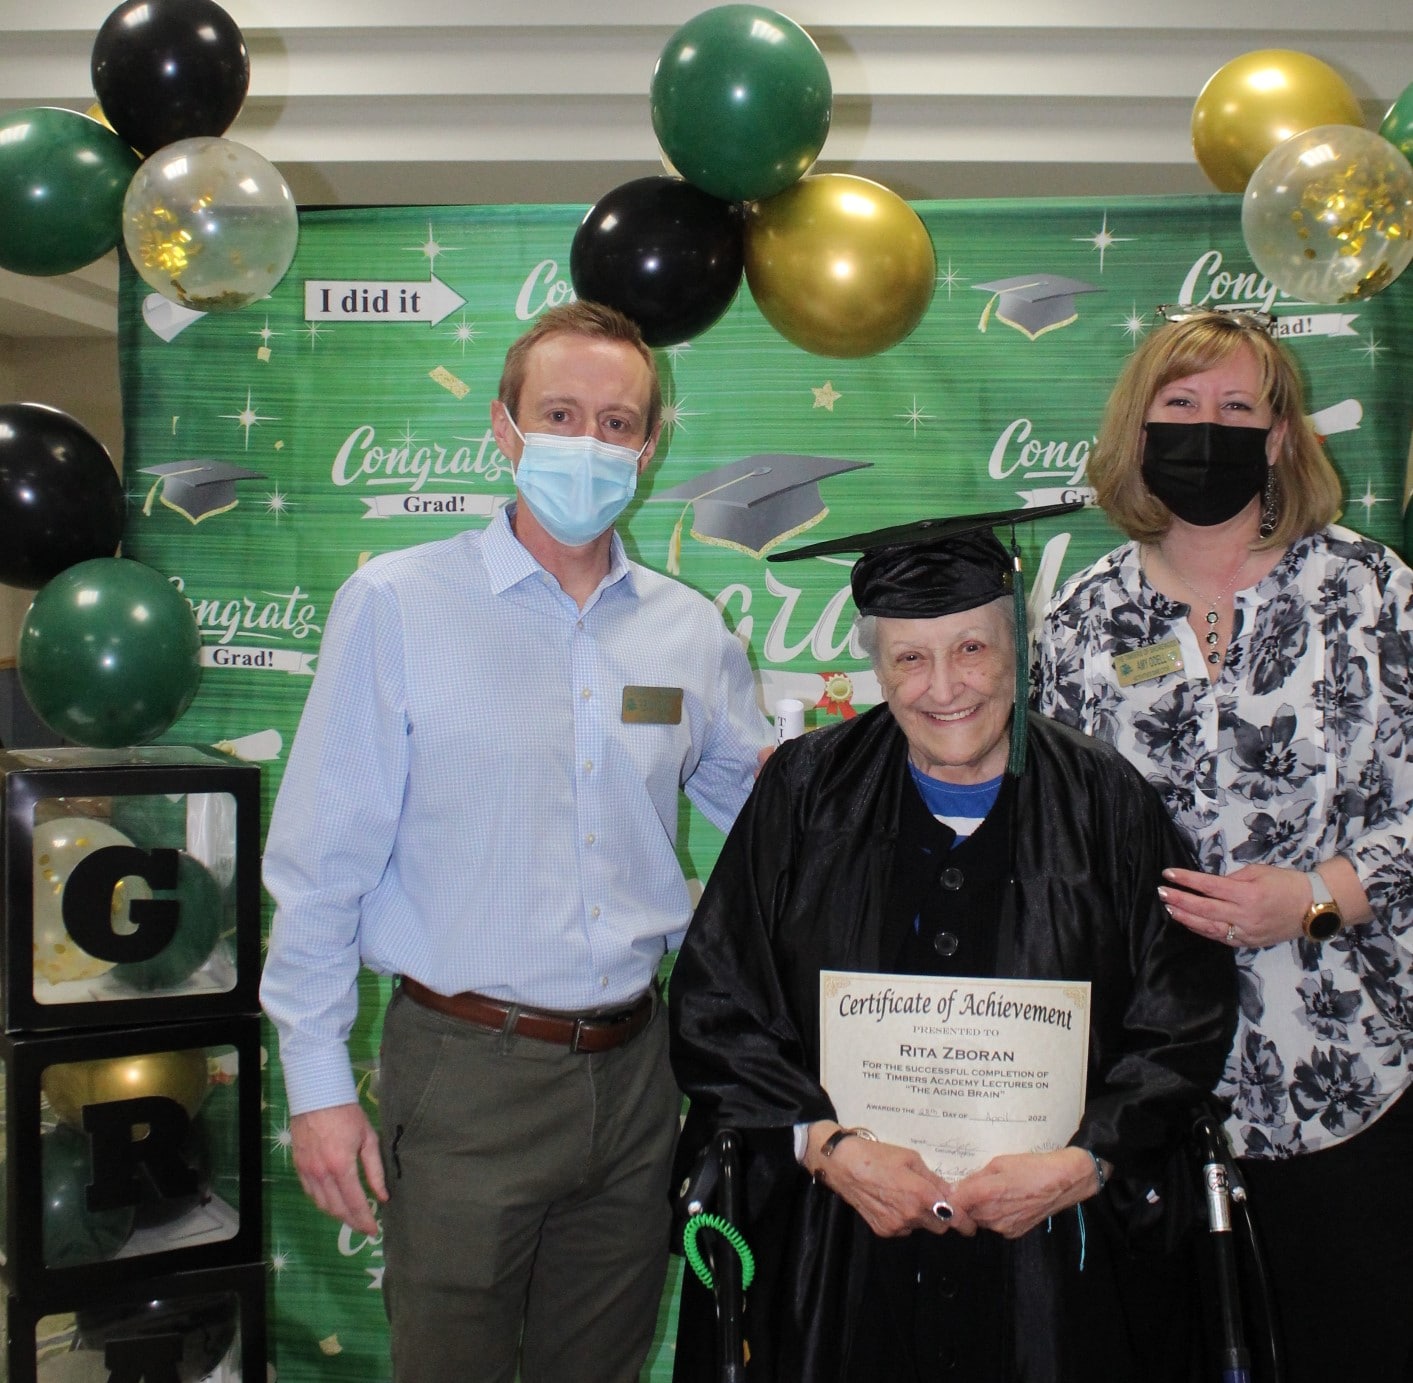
508, 562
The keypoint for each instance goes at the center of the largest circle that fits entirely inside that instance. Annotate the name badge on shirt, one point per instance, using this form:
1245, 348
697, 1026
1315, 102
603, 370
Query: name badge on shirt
1144, 664
652, 706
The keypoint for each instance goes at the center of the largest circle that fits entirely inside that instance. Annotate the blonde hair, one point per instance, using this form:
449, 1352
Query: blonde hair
578, 318
1306, 488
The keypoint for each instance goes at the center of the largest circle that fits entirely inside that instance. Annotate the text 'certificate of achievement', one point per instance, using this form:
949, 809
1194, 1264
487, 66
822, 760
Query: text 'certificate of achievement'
959, 1070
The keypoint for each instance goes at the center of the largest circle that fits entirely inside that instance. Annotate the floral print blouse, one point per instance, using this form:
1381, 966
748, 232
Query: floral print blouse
1300, 750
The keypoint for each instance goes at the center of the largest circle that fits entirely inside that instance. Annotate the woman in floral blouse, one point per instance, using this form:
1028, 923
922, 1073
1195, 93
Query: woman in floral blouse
1256, 662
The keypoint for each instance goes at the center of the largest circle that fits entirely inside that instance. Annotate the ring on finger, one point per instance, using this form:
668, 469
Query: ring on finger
1231, 934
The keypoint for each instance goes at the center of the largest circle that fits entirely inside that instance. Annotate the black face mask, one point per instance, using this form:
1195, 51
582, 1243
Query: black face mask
1206, 473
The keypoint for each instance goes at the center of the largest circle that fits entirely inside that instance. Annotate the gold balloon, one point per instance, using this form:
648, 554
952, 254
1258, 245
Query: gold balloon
180, 1076
1259, 100
59, 845
839, 265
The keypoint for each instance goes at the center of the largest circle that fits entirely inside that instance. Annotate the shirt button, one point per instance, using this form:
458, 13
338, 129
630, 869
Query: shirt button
946, 1287
585, 694
588, 765
952, 879
603, 981
589, 839
594, 911
945, 943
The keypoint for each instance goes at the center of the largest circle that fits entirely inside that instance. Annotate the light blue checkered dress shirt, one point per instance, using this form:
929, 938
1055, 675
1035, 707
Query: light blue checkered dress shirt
464, 803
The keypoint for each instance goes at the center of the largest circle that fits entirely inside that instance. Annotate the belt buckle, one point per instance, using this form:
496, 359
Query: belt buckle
574, 1038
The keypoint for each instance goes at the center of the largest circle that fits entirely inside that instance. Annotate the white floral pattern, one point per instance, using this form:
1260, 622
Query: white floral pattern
1301, 750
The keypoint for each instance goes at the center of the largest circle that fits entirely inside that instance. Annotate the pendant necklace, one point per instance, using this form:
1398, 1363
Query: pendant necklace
1211, 637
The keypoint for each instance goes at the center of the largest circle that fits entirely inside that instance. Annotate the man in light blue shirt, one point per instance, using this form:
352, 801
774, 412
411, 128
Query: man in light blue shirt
482, 799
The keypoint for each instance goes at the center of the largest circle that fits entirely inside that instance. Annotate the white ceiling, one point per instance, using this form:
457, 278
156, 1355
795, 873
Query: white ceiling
462, 101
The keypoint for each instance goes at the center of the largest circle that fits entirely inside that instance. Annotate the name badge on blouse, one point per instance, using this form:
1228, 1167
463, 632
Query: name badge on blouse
1144, 664
652, 706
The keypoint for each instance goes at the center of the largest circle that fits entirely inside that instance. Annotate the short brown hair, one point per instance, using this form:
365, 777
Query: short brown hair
577, 318
1306, 487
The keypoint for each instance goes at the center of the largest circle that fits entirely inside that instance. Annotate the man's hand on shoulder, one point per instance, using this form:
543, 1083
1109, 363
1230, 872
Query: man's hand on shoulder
329, 1145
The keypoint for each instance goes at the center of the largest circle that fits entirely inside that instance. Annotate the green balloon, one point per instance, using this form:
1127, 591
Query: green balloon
741, 100
1397, 125
62, 180
109, 653
72, 1232
198, 895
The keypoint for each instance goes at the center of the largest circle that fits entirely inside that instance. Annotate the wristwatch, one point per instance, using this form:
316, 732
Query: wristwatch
1322, 921
826, 1149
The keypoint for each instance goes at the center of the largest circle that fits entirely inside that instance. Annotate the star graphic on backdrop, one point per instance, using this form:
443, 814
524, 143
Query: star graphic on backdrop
248, 417
282, 1140
674, 353
1102, 239
915, 416
674, 411
314, 330
826, 396
408, 439
277, 503
279, 1261
1371, 348
464, 333
431, 247
1134, 325
950, 279
266, 333
1368, 499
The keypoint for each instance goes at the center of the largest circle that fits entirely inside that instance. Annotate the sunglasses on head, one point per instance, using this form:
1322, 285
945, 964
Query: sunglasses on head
1253, 319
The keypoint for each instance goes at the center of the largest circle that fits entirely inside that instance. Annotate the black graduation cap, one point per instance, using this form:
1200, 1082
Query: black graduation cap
197, 488
1033, 303
943, 566
753, 504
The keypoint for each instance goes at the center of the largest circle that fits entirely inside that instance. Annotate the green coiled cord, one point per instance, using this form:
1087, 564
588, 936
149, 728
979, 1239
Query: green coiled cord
731, 1234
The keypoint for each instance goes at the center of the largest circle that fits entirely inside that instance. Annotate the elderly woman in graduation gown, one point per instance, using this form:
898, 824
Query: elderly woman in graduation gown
936, 834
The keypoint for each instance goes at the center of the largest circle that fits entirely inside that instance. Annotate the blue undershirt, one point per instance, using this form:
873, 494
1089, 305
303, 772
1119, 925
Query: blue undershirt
961, 806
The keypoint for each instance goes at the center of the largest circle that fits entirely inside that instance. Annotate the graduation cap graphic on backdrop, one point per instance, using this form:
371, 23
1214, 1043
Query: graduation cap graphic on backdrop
1033, 303
755, 503
198, 489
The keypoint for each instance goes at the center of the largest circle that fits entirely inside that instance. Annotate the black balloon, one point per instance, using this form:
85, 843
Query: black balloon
166, 70
61, 501
664, 253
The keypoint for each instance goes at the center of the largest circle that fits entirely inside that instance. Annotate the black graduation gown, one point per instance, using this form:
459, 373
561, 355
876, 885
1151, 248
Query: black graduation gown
807, 881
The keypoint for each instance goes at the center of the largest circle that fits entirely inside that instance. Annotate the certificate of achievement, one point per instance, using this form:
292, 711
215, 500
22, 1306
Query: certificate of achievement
960, 1070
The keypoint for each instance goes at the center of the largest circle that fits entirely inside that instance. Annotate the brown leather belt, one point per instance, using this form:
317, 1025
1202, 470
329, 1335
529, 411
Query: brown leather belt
598, 1032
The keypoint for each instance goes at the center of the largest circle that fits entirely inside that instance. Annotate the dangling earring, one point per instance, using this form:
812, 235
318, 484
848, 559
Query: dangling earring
1270, 515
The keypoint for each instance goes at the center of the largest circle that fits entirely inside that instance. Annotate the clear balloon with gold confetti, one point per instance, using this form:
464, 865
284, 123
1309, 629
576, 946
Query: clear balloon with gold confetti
210, 224
1328, 214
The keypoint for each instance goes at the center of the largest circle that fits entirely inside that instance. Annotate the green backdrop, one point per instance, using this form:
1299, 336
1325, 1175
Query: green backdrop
342, 434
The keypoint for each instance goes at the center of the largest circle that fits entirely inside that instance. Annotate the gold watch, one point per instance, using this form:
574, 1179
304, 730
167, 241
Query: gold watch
1322, 919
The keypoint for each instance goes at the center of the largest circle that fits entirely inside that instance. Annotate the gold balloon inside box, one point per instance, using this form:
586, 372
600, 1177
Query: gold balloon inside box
129, 1153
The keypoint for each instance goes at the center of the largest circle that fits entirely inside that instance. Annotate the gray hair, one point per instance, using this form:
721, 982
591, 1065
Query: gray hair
865, 629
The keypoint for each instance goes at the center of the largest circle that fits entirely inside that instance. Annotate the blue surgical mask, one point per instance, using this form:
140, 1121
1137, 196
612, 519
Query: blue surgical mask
575, 486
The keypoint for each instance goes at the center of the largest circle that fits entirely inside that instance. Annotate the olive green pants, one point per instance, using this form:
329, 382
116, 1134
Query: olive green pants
527, 1220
